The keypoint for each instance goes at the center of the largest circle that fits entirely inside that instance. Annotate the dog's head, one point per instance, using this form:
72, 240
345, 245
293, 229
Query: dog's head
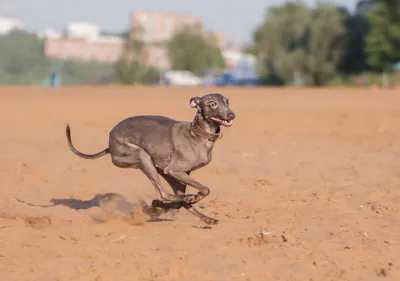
214, 108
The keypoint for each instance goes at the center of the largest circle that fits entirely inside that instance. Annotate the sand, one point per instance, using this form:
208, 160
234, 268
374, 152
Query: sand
306, 185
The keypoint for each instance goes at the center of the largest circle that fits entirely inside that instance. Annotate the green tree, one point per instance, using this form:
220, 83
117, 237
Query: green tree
278, 40
22, 59
152, 75
294, 38
191, 50
356, 25
326, 43
130, 67
383, 41
80, 72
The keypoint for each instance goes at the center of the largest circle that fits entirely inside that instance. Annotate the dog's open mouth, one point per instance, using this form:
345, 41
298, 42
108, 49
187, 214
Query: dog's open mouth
225, 123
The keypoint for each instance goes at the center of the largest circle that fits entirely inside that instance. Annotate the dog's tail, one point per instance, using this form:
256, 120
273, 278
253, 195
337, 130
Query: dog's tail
80, 154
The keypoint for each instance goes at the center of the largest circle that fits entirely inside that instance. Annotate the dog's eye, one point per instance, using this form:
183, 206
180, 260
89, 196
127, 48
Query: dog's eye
212, 104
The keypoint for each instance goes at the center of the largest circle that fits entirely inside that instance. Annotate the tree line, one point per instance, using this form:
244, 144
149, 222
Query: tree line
326, 42
294, 44
23, 60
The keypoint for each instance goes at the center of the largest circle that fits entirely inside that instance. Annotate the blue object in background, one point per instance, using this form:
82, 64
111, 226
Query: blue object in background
53, 81
396, 66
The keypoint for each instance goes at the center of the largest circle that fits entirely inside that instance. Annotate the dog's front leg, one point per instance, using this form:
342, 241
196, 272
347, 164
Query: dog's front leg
187, 180
180, 189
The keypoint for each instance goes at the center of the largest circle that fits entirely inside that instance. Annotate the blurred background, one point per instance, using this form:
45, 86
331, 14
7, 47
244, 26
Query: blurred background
200, 43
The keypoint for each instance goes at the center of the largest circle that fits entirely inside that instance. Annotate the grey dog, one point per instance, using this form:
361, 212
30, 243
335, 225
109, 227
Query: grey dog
159, 145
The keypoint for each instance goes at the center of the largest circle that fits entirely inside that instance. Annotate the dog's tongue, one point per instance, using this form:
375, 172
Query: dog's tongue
223, 122
227, 123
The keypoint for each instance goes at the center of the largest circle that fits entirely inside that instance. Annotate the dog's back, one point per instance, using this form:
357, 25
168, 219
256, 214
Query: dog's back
152, 133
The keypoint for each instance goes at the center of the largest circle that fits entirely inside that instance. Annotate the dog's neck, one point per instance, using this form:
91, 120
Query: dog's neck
205, 129
210, 128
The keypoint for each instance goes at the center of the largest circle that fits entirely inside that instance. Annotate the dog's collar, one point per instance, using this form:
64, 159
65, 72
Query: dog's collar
198, 130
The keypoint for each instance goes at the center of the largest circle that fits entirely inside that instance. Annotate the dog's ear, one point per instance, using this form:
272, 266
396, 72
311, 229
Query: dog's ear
194, 102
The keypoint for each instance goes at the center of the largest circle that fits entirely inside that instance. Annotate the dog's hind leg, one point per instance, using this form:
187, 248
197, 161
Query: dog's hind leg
200, 215
138, 158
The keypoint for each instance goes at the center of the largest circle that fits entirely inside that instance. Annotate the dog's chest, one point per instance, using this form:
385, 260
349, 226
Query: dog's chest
201, 157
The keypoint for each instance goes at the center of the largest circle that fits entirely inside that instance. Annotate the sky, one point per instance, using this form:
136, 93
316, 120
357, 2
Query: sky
237, 21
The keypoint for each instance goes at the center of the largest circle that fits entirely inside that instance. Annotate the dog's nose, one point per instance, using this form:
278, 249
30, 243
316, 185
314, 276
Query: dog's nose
231, 116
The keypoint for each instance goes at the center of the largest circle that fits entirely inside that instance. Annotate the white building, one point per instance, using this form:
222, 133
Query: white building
85, 30
8, 24
91, 33
242, 66
49, 33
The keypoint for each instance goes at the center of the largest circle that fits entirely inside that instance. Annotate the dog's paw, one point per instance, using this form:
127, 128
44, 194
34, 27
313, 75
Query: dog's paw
192, 198
156, 203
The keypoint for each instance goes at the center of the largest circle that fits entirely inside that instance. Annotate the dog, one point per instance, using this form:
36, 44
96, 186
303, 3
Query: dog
161, 146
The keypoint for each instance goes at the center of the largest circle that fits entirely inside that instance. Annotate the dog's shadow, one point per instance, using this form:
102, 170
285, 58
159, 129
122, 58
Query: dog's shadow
105, 202
75, 204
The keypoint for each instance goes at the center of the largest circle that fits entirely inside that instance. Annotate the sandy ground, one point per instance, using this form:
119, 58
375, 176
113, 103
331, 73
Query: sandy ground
305, 184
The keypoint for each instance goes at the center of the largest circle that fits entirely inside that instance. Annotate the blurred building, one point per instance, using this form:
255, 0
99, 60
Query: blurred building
220, 39
161, 26
99, 49
83, 41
